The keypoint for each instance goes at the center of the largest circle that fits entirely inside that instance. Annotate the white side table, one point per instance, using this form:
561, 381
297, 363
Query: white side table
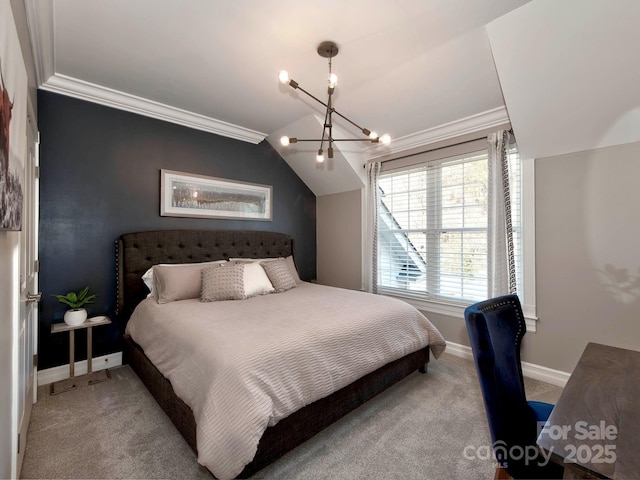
91, 377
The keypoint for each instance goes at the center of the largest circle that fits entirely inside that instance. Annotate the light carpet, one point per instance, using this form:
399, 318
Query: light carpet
429, 426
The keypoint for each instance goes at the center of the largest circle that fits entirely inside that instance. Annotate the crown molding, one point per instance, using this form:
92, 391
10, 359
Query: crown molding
41, 31
481, 121
91, 92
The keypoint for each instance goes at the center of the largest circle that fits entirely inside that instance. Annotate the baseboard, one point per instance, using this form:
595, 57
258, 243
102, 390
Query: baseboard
531, 370
56, 374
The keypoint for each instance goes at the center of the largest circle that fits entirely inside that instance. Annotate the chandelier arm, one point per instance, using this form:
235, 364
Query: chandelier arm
362, 129
352, 140
315, 98
333, 110
308, 140
334, 140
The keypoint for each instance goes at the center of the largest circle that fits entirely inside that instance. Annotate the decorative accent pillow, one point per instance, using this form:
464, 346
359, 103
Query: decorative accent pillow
293, 269
172, 282
292, 266
279, 274
256, 281
223, 282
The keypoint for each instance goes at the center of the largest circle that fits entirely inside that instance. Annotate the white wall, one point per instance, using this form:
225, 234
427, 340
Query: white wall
9, 246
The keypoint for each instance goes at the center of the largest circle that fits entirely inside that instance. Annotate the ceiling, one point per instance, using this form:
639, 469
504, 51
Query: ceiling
420, 70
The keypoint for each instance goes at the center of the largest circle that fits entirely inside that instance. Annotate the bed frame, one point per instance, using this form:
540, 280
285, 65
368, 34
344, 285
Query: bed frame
137, 252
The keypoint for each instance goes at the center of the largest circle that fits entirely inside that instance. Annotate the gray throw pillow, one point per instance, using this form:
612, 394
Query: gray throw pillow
223, 282
279, 274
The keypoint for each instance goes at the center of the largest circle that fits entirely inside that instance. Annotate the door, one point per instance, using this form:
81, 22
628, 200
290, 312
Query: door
28, 308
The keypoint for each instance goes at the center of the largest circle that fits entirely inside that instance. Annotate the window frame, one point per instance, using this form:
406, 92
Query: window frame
454, 308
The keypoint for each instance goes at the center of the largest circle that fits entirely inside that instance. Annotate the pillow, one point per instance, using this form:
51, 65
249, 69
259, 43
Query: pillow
147, 278
289, 260
256, 281
279, 274
223, 282
172, 282
293, 269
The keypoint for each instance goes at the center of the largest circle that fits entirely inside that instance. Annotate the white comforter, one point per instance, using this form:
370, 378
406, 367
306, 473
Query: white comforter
244, 365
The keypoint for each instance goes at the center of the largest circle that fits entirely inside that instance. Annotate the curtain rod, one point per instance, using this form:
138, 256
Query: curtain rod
409, 155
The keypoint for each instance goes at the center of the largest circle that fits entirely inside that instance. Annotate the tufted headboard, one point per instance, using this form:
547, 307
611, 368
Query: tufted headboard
137, 252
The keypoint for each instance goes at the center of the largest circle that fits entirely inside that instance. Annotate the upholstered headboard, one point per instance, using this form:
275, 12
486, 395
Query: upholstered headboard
137, 252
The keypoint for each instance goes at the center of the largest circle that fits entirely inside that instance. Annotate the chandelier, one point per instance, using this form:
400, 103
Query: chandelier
328, 50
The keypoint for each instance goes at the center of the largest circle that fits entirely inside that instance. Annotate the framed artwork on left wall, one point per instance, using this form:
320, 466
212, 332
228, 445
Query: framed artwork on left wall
192, 195
13, 121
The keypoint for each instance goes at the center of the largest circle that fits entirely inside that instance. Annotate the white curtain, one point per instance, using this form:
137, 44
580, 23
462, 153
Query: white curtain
501, 260
371, 189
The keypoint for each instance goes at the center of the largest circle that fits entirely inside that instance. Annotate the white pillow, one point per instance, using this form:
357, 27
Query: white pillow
256, 281
147, 278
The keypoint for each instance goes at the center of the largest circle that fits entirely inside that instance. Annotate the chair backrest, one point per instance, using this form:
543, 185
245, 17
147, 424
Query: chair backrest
496, 328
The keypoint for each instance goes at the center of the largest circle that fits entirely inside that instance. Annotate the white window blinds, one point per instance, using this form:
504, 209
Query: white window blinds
433, 228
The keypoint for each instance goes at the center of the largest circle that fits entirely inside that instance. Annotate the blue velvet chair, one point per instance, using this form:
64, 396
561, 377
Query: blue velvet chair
496, 328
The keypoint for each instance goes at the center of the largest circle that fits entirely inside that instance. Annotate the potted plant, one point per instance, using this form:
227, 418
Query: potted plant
76, 315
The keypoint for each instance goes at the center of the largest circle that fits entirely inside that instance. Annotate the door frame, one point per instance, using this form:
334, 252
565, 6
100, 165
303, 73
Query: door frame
26, 384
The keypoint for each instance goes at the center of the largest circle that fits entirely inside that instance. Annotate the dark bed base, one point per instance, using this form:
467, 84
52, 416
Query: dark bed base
291, 431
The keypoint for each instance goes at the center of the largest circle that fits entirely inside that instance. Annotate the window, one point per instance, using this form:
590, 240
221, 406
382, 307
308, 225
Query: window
433, 229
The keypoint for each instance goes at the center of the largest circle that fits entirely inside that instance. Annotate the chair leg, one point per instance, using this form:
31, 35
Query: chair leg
502, 474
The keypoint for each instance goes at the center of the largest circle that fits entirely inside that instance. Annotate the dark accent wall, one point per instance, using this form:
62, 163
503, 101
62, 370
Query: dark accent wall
100, 178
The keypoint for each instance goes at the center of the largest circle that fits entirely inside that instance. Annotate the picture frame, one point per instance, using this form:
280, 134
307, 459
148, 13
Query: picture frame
192, 195
13, 125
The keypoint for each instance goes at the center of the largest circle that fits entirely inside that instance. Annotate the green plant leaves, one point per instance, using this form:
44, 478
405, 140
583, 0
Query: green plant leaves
76, 300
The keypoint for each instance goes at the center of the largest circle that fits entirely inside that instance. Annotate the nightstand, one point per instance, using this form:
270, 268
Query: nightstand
91, 377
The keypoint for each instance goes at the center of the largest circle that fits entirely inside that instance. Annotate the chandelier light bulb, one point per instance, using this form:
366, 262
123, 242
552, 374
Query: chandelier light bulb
385, 139
320, 156
373, 135
333, 80
283, 76
284, 141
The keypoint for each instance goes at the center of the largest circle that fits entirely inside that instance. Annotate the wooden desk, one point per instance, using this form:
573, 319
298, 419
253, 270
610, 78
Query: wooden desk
91, 377
594, 429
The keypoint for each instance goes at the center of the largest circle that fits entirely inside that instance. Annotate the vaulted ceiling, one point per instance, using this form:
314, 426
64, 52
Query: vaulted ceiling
420, 70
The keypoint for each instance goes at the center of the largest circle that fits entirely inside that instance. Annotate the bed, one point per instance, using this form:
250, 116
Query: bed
295, 417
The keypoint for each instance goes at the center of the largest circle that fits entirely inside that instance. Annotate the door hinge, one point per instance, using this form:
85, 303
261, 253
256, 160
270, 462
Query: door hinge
37, 171
35, 360
36, 266
38, 137
18, 442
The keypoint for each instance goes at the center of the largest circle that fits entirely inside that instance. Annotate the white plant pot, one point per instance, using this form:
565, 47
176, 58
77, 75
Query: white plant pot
75, 317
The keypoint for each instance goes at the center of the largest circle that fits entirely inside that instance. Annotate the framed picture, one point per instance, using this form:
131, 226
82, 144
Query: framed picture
191, 195
13, 123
